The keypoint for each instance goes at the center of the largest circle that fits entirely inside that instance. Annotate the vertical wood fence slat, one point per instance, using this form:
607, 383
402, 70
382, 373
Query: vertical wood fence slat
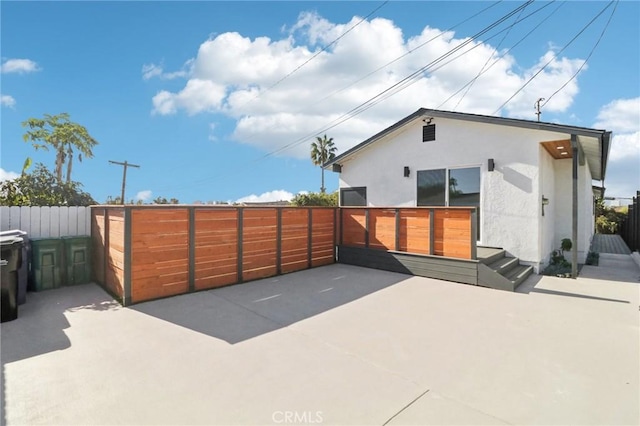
14, 217
4, 218
47, 222
74, 227
25, 217
63, 221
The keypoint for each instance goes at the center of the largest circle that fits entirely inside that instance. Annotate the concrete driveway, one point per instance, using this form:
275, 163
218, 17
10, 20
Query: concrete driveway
333, 345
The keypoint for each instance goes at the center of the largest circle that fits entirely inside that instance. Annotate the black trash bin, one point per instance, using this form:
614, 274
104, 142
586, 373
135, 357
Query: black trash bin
25, 267
11, 260
8, 293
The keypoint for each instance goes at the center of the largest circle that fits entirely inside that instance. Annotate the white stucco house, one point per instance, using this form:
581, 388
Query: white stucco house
531, 181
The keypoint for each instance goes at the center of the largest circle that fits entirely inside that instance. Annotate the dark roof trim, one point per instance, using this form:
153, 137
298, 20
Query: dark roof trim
606, 147
502, 121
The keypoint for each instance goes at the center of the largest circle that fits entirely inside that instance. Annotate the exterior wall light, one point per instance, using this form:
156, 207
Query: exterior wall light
407, 172
545, 202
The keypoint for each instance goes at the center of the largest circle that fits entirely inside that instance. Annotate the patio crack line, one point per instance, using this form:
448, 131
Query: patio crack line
405, 407
457, 401
252, 311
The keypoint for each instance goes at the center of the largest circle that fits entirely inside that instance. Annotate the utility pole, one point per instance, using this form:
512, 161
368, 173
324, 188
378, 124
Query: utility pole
124, 175
537, 107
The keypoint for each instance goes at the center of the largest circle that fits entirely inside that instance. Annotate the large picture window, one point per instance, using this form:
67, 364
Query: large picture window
450, 187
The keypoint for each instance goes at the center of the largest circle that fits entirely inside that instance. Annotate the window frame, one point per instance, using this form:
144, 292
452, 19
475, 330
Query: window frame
363, 190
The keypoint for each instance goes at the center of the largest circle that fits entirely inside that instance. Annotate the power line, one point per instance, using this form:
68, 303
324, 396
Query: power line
486, 62
124, 175
314, 56
397, 87
508, 50
390, 91
553, 58
334, 41
421, 45
588, 56
378, 69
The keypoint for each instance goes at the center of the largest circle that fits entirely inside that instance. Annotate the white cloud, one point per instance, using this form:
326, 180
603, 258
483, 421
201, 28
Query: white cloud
152, 70
7, 101
243, 79
212, 135
5, 175
143, 195
197, 96
621, 115
271, 196
19, 66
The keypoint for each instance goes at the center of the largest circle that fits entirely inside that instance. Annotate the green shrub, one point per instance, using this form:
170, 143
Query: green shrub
316, 199
593, 258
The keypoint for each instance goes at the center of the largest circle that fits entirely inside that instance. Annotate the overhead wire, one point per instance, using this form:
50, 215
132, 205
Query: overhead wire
554, 56
390, 91
324, 49
395, 88
506, 52
497, 48
421, 45
604, 30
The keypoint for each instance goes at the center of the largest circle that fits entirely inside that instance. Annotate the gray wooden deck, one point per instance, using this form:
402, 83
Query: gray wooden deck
613, 244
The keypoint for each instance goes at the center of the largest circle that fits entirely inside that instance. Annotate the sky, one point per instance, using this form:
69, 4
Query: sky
219, 101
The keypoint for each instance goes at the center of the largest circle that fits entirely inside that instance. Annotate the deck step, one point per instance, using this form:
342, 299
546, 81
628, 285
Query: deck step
518, 274
504, 265
489, 255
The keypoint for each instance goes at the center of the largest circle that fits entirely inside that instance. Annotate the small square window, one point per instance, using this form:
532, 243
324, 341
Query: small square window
429, 133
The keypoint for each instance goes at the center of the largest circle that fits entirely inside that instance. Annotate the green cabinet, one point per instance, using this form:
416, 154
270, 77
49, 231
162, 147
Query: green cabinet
47, 265
77, 252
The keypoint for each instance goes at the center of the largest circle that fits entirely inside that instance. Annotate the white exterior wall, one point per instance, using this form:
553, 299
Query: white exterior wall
563, 206
510, 195
547, 190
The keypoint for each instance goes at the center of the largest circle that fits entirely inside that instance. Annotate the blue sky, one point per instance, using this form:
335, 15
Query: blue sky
204, 96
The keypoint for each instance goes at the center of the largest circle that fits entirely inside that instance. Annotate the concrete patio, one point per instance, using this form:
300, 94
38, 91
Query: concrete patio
333, 345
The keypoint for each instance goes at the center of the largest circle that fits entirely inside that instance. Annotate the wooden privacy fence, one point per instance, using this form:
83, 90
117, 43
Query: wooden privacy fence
436, 231
630, 228
148, 252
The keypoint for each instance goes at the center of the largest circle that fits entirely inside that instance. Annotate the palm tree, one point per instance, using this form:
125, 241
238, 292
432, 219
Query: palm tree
63, 135
322, 150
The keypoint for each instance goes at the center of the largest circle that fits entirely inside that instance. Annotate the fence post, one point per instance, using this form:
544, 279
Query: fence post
239, 210
278, 240
366, 227
126, 300
397, 229
309, 236
106, 246
335, 236
192, 249
474, 233
432, 234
